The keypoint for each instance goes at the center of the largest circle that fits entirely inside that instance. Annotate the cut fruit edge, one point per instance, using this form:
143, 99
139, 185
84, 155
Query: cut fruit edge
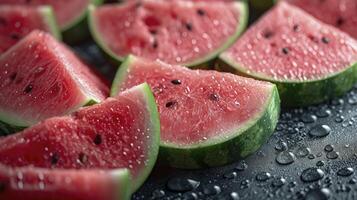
269, 112
154, 127
241, 6
50, 20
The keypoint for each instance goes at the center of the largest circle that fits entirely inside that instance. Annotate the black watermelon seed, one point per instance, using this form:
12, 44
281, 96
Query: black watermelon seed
214, 97
268, 34
201, 12
296, 27
82, 158
176, 82
153, 32
154, 44
188, 26
285, 50
13, 76
97, 139
15, 36
54, 159
28, 88
171, 104
340, 21
325, 40
2, 186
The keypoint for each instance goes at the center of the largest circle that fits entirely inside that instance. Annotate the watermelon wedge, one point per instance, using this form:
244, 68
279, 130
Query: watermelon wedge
18, 21
339, 13
44, 184
174, 31
41, 78
207, 118
70, 14
309, 61
121, 132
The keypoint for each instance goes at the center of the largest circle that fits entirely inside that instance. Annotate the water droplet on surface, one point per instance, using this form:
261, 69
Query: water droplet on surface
318, 194
322, 113
182, 184
312, 174
158, 194
346, 171
308, 118
189, 196
352, 181
212, 190
285, 158
263, 176
281, 146
320, 163
329, 148
242, 166
320, 131
234, 196
302, 152
278, 182
230, 175
332, 155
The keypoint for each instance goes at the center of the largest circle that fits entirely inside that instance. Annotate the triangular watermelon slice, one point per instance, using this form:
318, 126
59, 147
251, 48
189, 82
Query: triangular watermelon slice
45, 184
41, 78
174, 31
121, 132
207, 118
17, 21
308, 60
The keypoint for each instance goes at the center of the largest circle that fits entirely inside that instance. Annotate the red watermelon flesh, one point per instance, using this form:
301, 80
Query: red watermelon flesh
66, 11
44, 184
339, 13
195, 106
175, 31
17, 21
118, 133
287, 44
41, 78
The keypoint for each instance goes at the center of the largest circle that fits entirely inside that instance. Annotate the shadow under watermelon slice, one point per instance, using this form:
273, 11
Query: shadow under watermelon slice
59, 184
184, 32
308, 60
207, 118
121, 132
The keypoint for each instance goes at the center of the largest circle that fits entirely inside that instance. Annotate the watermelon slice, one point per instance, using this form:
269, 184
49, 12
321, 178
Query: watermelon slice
207, 118
308, 60
70, 14
118, 133
339, 13
41, 78
173, 31
17, 21
44, 184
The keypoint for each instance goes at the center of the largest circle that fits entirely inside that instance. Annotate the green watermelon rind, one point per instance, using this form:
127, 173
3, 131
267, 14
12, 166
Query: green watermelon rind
155, 137
215, 152
301, 93
122, 178
242, 6
50, 19
77, 30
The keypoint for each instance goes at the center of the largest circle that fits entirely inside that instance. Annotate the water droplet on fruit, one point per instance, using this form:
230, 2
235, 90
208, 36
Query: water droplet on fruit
329, 148
182, 184
332, 155
312, 174
285, 158
346, 171
263, 176
320, 131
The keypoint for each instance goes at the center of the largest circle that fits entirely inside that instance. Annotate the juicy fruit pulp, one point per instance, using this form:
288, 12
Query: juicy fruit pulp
339, 13
173, 31
41, 78
67, 11
289, 46
118, 133
199, 109
17, 21
44, 184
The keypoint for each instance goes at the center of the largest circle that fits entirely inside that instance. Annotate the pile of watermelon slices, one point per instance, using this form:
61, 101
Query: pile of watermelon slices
68, 134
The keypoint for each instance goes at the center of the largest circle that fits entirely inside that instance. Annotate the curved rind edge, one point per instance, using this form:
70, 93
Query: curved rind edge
50, 19
122, 179
201, 63
155, 136
230, 150
295, 94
